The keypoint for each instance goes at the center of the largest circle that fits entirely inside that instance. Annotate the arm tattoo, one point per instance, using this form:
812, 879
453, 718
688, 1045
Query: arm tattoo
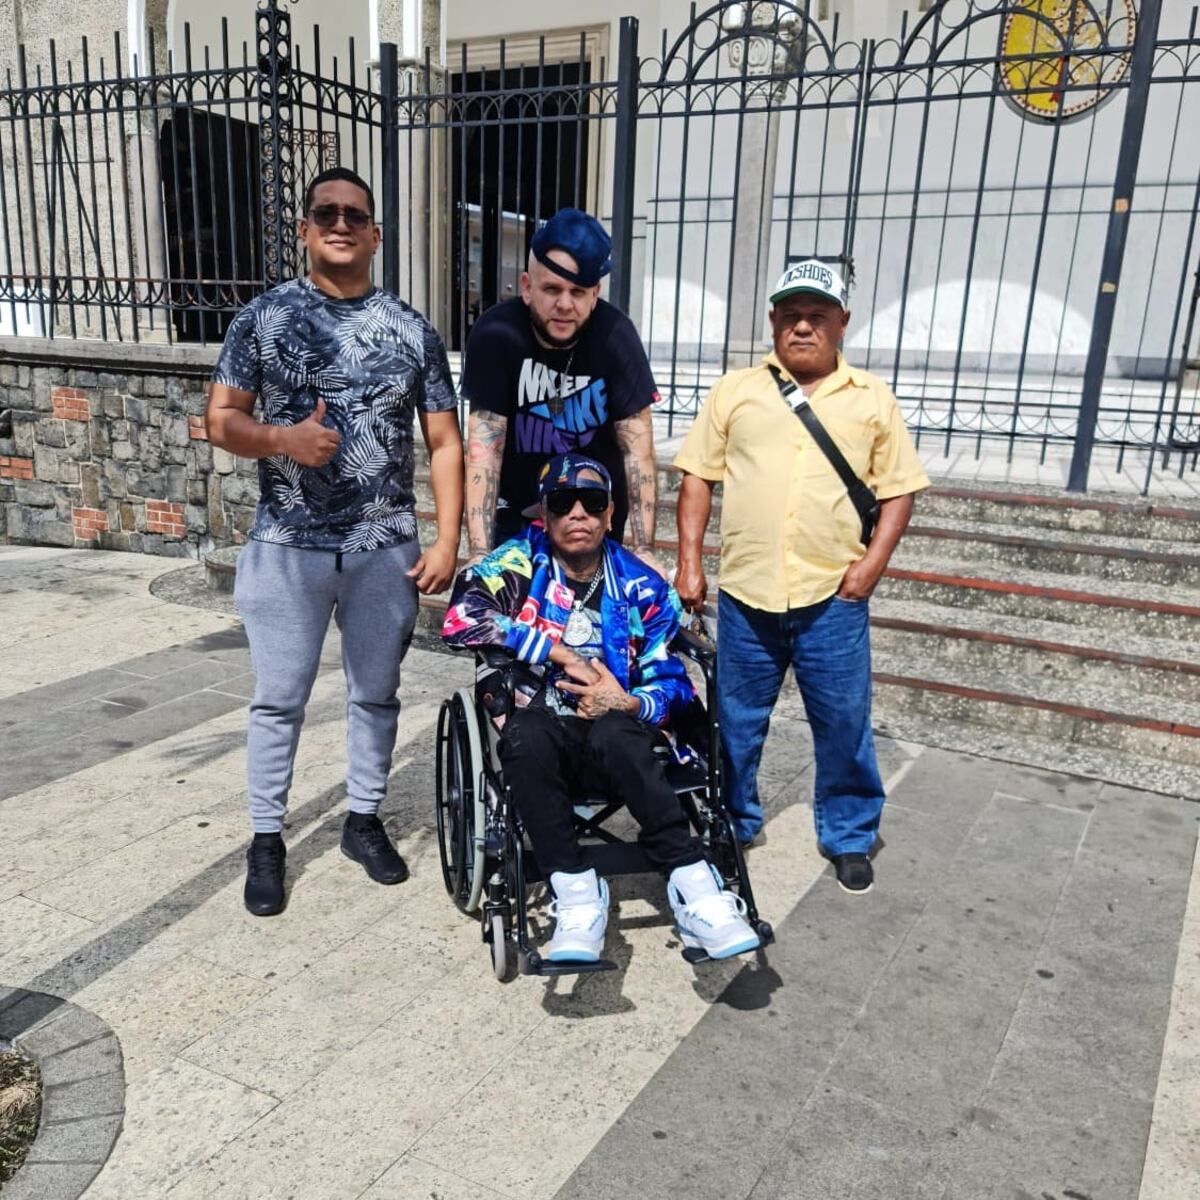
485, 452
635, 436
609, 701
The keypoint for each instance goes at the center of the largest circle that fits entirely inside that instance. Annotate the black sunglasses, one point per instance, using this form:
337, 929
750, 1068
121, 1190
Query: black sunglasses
594, 501
325, 216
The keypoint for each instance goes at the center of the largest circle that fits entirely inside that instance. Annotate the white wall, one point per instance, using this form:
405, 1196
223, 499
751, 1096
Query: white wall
476, 20
339, 20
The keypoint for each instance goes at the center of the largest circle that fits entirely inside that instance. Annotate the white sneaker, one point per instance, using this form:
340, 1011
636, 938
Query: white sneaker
708, 918
580, 912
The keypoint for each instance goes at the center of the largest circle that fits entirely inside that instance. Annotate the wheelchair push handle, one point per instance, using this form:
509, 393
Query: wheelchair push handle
695, 641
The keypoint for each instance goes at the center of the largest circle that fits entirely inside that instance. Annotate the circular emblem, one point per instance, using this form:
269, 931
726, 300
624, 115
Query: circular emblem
1049, 70
578, 631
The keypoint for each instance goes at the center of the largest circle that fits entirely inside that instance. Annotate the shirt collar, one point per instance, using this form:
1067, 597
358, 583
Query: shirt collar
843, 375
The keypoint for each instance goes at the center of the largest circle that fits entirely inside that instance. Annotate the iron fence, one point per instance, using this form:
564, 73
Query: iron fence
1013, 185
153, 204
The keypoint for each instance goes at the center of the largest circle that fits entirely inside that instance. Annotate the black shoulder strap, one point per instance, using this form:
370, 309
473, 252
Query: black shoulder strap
861, 495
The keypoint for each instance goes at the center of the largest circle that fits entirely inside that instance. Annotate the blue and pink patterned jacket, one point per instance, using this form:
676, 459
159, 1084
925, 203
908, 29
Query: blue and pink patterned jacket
518, 597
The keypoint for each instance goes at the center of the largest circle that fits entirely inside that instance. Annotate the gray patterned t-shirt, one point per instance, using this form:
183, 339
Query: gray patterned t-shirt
374, 361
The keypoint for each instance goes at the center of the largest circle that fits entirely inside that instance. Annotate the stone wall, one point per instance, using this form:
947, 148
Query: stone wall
104, 446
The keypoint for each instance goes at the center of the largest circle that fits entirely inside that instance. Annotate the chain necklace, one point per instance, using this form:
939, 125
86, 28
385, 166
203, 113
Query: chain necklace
578, 629
557, 404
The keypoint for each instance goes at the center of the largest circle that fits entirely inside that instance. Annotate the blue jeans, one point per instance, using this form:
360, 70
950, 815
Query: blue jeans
828, 648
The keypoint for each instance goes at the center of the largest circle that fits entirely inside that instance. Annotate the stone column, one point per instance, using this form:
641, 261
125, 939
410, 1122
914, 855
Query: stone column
8, 62
768, 51
10, 36
414, 25
143, 182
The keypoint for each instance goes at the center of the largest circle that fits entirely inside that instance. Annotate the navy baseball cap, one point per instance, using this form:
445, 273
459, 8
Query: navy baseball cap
562, 473
581, 236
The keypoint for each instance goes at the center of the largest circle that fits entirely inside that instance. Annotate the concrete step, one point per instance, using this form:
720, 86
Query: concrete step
1144, 609
1148, 773
1029, 649
1028, 507
667, 477
431, 611
664, 515
220, 568
1048, 508
1117, 606
1102, 556
666, 548
1094, 698
1013, 729
1035, 518
1021, 623
1068, 711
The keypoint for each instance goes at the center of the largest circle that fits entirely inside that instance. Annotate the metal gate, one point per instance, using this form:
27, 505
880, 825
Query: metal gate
979, 178
1012, 184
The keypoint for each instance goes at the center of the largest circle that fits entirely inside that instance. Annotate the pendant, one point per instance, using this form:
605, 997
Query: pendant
578, 629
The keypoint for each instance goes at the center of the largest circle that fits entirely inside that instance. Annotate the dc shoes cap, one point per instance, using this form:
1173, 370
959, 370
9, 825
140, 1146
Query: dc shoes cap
581, 236
811, 277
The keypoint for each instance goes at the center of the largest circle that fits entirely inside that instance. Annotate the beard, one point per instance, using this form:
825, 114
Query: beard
544, 335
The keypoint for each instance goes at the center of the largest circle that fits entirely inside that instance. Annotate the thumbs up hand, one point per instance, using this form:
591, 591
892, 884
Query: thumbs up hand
308, 442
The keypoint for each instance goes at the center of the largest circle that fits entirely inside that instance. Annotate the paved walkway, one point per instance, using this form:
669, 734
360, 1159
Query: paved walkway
1013, 1012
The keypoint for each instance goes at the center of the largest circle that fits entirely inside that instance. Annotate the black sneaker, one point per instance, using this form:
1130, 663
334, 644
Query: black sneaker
854, 873
366, 841
264, 875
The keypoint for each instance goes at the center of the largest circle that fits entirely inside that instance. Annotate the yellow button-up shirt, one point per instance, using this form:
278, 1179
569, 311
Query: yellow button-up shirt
789, 529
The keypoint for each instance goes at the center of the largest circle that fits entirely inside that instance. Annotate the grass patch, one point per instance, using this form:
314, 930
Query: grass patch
20, 1107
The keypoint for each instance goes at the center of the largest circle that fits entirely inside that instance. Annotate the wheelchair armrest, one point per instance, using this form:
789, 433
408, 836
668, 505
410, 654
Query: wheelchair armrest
496, 657
498, 676
693, 642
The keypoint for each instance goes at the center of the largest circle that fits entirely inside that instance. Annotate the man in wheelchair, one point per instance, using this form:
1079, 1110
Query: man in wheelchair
595, 624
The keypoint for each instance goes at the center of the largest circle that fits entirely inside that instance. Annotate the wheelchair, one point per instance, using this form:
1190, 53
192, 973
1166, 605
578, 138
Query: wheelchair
486, 864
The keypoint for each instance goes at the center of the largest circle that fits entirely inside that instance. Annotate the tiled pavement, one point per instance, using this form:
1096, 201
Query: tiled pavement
1013, 1012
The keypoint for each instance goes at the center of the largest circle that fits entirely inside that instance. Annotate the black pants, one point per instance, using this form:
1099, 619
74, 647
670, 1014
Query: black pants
546, 758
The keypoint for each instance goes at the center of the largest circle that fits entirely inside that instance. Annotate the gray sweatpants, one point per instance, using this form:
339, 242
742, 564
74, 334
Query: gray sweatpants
285, 597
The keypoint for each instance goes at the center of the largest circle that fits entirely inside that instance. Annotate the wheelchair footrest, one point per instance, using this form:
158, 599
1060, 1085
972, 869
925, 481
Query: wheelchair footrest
694, 955
536, 965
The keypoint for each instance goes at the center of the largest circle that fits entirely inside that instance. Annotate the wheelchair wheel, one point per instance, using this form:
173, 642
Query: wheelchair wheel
499, 948
460, 805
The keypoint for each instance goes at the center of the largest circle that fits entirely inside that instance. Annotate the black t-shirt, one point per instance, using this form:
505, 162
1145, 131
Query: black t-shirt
556, 401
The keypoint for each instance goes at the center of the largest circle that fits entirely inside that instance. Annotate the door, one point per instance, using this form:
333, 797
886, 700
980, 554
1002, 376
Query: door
519, 151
